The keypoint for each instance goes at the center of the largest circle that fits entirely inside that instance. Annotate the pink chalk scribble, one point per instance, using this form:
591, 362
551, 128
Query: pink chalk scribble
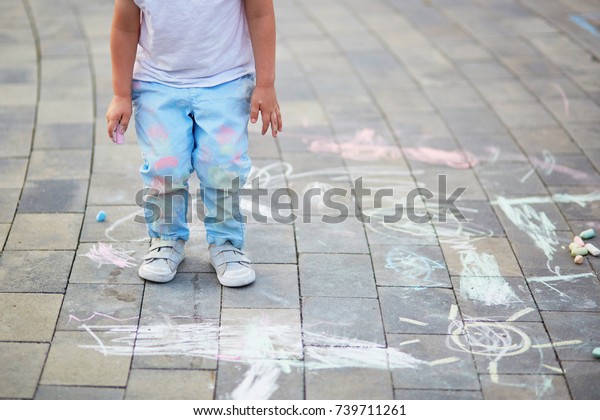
459, 159
166, 162
158, 132
105, 254
365, 145
226, 135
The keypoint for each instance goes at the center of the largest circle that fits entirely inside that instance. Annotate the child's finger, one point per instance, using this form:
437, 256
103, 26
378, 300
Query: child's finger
254, 111
265, 123
279, 120
274, 124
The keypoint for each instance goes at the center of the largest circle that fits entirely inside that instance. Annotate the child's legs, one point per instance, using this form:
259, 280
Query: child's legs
164, 131
220, 157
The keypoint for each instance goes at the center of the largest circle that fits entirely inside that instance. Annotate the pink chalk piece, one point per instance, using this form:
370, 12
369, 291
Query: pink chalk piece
166, 162
578, 259
118, 134
578, 241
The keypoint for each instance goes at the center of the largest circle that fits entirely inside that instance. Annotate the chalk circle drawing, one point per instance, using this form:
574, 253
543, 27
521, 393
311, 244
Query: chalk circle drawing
104, 254
413, 266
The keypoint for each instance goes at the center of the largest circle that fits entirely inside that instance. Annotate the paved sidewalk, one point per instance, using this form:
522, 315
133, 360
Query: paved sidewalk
499, 96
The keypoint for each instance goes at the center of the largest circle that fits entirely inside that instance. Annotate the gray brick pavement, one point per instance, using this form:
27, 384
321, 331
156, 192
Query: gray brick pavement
502, 97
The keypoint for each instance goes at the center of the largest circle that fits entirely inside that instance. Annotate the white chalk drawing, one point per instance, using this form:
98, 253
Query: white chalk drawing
413, 266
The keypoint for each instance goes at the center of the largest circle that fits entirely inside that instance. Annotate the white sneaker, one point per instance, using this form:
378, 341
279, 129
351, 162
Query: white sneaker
161, 262
231, 264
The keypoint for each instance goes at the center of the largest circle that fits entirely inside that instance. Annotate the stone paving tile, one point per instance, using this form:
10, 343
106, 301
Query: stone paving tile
276, 286
35, 271
28, 316
569, 170
4, 229
54, 196
484, 257
520, 115
416, 310
87, 269
579, 294
174, 385
536, 140
342, 322
15, 141
574, 334
12, 172
248, 334
582, 379
455, 179
279, 248
502, 148
502, 298
435, 366
59, 164
417, 266
104, 190
63, 135
20, 367
525, 387
519, 347
368, 384
337, 275
77, 358
347, 236
288, 382
54, 392
122, 224
504, 91
511, 179
573, 209
45, 231
476, 218
435, 394
99, 305
585, 135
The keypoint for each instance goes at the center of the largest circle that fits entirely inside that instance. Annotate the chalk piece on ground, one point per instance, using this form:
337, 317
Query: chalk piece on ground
572, 246
592, 250
579, 259
579, 251
101, 216
596, 352
579, 241
587, 234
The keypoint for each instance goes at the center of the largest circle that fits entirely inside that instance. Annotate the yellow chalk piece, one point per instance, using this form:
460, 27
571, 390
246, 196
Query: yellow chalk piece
572, 246
579, 251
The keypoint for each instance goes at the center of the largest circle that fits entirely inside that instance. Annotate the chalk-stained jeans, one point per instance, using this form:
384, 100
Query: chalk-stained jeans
182, 130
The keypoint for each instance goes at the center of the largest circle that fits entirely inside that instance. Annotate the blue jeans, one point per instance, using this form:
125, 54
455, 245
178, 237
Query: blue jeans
202, 130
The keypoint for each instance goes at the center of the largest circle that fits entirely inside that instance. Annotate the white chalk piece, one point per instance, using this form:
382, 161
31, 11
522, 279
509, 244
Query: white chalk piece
592, 250
579, 241
579, 251
578, 259
596, 352
101, 216
587, 234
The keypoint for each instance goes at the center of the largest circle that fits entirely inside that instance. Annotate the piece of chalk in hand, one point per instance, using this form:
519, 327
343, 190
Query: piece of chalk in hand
587, 234
101, 216
596, 352
592, 250
579, 241
578, 259
579, 251
118, 136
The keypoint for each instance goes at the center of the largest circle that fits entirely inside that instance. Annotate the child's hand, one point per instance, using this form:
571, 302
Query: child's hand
119, 111
264, 100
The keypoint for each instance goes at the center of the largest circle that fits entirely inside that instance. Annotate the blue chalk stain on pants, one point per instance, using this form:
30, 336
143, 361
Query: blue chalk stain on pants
204, 130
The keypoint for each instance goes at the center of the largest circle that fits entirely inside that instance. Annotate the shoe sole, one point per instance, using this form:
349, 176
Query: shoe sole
238, 282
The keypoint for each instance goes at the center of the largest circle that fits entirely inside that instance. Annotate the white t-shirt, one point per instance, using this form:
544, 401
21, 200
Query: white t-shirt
193, 43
